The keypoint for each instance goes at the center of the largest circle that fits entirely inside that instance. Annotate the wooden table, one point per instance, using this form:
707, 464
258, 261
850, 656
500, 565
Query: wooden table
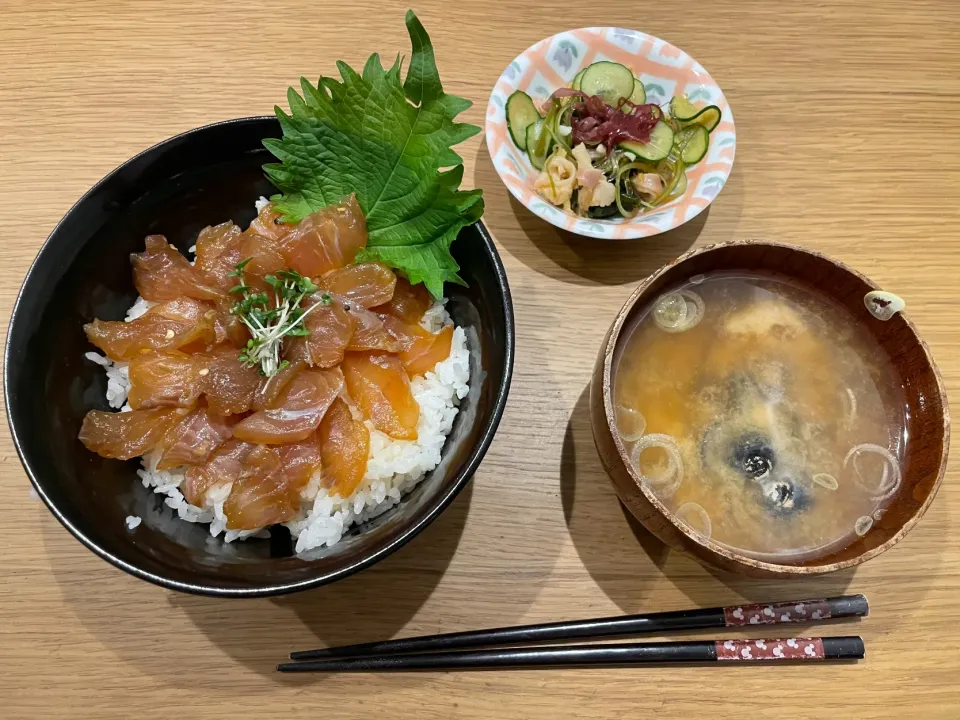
847, 116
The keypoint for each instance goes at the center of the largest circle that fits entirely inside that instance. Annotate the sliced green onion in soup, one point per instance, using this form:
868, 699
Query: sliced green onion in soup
826, 481
630, 423
678, 311
670, 312
890, 476
851, 407
696, 518
863, 525
665, 482
883, 305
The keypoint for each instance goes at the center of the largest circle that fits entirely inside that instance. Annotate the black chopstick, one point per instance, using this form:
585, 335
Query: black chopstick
779, 650
797, 611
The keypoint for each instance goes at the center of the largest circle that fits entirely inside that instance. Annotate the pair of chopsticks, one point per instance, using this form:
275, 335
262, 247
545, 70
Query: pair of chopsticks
458, 651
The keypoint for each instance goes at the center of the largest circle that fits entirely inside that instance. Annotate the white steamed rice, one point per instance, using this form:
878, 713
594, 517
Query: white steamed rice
394, 466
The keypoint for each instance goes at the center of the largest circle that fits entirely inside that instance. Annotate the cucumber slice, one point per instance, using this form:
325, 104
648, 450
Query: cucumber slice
575, 85
687, 113
521, 114
709, 118
692, 142
610, 80
661, 140
682, 109
639, 95
538, 143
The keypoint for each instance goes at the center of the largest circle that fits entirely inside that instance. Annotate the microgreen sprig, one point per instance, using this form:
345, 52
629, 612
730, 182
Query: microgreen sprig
269, 322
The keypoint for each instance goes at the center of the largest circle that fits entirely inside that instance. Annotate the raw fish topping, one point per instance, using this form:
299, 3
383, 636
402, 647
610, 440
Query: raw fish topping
245, 370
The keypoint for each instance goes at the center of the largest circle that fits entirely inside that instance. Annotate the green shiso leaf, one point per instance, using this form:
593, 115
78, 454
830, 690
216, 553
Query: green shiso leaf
391, 143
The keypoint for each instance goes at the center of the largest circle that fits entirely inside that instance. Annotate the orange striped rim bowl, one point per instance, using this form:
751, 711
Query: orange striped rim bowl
665, 71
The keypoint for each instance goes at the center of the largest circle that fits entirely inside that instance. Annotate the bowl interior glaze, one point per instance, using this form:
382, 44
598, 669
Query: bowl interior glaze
204, 177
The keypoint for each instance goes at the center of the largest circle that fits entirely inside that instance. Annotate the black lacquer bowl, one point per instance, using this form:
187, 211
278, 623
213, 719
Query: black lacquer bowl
204, 177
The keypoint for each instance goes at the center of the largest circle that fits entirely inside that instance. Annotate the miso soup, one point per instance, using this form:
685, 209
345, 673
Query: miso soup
761, 414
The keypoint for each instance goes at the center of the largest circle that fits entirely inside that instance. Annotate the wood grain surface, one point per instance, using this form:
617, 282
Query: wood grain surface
847, 133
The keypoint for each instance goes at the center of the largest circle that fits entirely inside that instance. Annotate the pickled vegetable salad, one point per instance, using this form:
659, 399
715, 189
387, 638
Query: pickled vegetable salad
602, 151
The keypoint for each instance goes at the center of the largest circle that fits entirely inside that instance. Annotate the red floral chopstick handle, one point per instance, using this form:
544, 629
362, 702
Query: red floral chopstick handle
775, 613
784, 649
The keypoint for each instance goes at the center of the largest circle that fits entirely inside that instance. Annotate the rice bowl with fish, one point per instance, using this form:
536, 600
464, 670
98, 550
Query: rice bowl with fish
434, 239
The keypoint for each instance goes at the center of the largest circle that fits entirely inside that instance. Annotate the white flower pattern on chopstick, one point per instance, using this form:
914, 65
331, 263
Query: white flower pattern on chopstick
740, 615
759, 650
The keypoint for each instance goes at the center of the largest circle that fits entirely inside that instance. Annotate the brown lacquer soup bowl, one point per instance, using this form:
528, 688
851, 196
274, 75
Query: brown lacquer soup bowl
926, 419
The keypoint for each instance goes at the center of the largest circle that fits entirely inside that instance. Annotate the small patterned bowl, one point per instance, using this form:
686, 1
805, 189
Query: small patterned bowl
663, 69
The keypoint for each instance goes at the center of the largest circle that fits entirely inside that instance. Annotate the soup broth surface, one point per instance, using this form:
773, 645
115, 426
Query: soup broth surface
761, 414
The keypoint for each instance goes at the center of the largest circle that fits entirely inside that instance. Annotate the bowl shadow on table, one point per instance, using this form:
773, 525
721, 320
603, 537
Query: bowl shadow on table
629, 563
372, 605
562, 255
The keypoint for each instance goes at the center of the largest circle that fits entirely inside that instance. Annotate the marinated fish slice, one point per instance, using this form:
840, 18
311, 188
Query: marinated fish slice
295, 350
409, 302
268, 224
331, 328
200, 337
271, 387
379, 385
228, 328
297, 411
427, 351
370, 334
327, 240
260, 497
161, 273
218, 252
159, 379
193, 440
263, 258
344, 449
300, 461
125, 435
365, 284
268, 492
230, 387
405, 334
224, 467
183, 324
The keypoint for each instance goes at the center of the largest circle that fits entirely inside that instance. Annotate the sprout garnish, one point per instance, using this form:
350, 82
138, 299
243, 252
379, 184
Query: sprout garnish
270, 325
